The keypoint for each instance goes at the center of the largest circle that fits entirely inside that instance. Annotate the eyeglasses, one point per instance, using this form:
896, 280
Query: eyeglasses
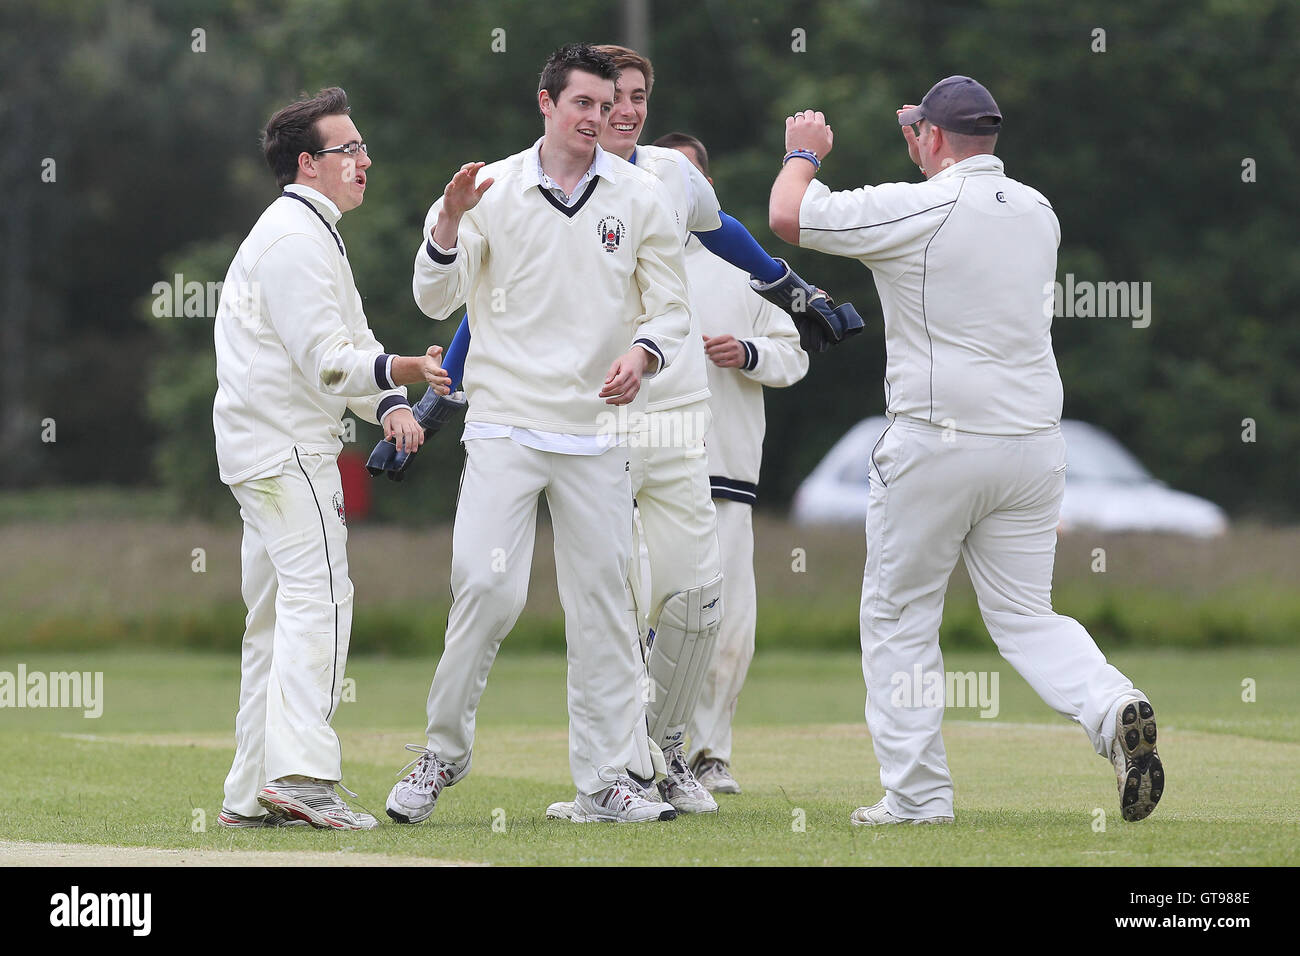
916, 129
350, 149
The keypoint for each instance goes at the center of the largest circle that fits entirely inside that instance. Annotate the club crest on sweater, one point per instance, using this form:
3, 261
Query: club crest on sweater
612, 231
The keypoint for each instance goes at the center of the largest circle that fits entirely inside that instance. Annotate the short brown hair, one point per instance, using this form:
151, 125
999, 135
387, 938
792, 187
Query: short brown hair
677, 140
292, 131
570, 57
628, 59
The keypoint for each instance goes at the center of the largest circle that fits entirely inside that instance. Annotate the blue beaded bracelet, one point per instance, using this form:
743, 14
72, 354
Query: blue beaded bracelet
807, 154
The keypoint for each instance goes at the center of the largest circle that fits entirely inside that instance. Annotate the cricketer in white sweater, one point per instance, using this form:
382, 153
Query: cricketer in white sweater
543, 342
294, 350
558, 289
695, 208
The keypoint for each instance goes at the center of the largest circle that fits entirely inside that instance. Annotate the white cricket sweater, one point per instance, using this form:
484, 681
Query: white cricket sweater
557, 293
695, 206
294, 350
964, 264
726, 305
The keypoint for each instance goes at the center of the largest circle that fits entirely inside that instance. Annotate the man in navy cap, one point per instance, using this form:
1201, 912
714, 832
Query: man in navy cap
973, 462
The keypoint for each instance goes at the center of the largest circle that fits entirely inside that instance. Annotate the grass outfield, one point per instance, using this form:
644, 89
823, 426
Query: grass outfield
1029, 789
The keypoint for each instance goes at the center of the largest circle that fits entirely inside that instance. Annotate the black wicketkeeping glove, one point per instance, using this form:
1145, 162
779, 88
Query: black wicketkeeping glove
821, 323
432, 411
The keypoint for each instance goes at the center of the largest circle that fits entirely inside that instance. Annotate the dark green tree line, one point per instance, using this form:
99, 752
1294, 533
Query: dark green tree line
1164, 148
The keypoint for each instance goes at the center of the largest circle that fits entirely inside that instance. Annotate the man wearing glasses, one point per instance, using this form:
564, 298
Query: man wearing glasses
973, 462
294, 352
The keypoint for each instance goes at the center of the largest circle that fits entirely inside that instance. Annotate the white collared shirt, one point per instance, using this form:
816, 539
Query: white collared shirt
964, 265
546, 182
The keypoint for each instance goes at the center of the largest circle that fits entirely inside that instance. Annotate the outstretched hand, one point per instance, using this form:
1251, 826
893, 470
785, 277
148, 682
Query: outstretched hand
434, 374
458, 198
461, 194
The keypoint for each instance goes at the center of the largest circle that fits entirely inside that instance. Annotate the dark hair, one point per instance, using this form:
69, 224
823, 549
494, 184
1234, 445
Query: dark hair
570, 57
292, 131
626, 58
674, 140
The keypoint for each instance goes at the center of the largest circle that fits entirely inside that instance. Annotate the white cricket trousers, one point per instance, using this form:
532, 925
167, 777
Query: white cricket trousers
996, 501
299, 598
670, 479
710, 728
679, 525
590, 501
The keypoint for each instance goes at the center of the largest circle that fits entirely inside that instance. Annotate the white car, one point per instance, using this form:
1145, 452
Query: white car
1106, 488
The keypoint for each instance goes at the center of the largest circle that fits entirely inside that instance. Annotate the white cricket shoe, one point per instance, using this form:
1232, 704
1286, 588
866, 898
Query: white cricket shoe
1138, 769
621, 802
413, 798
561, 810
714, 775
681, 789
878, 815
316, 802
564, 809
233, 820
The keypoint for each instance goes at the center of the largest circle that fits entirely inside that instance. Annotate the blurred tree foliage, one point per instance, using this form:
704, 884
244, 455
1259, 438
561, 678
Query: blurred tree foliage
1140, 147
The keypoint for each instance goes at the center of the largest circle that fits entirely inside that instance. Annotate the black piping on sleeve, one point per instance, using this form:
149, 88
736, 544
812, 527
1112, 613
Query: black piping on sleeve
390, 401
654, 349
442, 258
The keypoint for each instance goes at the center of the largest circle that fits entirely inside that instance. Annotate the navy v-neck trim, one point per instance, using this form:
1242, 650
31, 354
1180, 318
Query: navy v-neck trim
569, 211
316, 212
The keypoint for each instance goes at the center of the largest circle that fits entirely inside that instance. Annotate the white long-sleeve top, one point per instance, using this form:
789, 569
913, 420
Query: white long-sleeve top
556, 293
964, 264
695, 208
294, 350
725, 305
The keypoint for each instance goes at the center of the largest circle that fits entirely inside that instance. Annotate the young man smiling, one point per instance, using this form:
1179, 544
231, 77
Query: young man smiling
669, 474
682, 605
572, 269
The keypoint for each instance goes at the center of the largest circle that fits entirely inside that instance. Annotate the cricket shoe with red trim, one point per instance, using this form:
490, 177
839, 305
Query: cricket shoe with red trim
564, 809
413, 798
621, 802
316, 802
